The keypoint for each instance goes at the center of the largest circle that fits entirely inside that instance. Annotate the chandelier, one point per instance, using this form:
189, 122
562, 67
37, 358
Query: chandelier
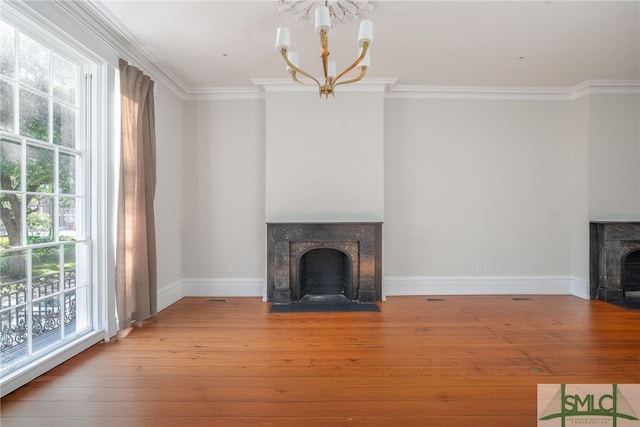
340, 11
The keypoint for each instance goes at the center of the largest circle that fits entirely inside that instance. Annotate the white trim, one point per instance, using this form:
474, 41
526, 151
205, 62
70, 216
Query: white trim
21, 15
392, 91
222, 287
480, 92
29, 372
287, 85
224, 93
476, 285
170, 294
98, 215
580, 287
234, 287
95, 19
607, 87
587, 87
393, 286
111, 139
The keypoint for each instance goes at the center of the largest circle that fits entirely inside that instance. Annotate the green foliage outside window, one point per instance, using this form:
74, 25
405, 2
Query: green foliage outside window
36, 94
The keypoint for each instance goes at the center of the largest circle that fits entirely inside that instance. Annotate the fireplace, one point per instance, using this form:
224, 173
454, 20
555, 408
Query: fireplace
324, 274
324, 262
631, 275
615, 260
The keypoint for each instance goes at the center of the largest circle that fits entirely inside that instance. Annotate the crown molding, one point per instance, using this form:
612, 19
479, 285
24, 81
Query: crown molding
607, 87
587, 87
97, 21
223, 93
287, 85
480, 92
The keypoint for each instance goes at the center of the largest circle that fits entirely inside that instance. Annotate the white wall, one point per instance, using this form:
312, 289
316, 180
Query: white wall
477, 182
580, 195
169, 204
605, 171
614, 157
324, 158
479, 195
224, 149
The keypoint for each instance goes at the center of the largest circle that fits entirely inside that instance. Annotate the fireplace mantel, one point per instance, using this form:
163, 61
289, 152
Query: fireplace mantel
610, 242
287, 242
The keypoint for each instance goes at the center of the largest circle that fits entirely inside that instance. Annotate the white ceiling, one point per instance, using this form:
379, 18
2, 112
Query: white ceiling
217, 44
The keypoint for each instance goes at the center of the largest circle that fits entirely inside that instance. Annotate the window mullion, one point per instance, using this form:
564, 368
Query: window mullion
56, 193
16, 85
62, 291
16, 107
23, 192
84, 187
29, 305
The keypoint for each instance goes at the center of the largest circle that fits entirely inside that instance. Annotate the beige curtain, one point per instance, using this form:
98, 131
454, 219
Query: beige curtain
136, 265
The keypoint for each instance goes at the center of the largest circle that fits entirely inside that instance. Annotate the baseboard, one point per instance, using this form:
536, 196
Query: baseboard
231, 287
393, 286
170, 294
476, 285
241, 287
580, 287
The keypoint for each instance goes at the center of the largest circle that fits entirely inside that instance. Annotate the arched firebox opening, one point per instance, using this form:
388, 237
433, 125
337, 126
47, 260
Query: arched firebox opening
325, 276
631, 275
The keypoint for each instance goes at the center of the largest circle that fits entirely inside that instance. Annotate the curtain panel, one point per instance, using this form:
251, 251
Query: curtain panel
136, 264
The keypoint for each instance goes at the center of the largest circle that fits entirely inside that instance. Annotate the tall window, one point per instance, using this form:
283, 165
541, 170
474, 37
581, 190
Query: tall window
45, 292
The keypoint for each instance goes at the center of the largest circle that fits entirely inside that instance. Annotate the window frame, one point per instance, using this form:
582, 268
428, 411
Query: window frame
98, 190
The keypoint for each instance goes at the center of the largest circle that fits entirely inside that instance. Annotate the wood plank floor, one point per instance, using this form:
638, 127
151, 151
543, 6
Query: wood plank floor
420, 361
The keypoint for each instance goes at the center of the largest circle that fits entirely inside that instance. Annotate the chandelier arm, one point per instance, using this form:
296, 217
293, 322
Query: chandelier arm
357, 79
283, 51
302, 82
365, 49
324, 53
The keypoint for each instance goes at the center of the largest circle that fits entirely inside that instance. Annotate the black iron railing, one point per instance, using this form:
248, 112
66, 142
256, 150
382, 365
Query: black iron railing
47, 313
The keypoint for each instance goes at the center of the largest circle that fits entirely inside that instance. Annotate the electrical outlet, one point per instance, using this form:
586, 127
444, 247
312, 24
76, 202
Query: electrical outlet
230, 268
479, 267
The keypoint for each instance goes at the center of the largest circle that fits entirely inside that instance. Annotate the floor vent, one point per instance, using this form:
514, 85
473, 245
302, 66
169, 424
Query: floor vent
521, 299
436, 299
216, 300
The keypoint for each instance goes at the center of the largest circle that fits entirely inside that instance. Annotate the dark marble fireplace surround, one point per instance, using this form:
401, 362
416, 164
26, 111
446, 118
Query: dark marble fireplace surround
614, 260
343, 261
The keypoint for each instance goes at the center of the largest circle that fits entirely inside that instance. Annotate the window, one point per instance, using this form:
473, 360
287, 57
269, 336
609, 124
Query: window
45, 267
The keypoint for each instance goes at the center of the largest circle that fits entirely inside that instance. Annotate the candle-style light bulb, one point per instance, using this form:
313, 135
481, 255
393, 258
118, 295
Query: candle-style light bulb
365, 33
283, 38
323, 20
331, 69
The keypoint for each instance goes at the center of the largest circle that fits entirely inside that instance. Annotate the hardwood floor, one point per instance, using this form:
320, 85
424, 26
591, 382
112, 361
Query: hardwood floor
421, 361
